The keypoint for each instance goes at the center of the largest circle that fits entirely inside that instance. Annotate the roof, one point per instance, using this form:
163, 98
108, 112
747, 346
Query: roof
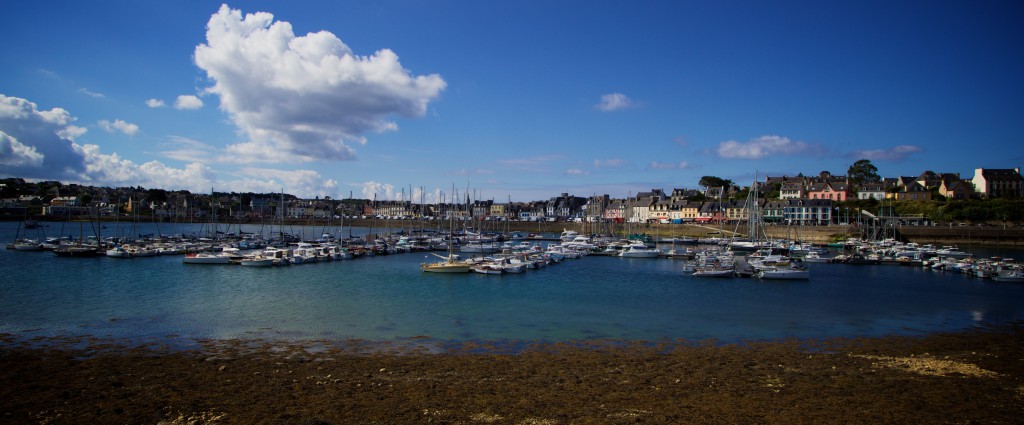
1001, 173
872, 187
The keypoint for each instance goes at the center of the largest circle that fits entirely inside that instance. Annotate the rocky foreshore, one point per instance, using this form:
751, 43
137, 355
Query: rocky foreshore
968, 377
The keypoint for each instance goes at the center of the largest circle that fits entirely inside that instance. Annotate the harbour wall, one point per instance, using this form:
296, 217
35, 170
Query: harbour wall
944, 235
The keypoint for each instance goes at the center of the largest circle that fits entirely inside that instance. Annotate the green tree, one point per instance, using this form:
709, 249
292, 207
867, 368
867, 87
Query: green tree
712, 181
158, 196
863, 171
697, 198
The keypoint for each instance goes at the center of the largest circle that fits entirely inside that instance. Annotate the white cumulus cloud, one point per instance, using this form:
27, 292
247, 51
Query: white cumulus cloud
766, 146
155, 103
38, 143
188, 101
304, 98
614, 102
379, 191
120, 126
14, 154
304, 183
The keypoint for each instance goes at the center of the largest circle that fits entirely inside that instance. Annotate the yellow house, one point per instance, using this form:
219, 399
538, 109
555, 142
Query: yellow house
736, 211
912, 191
956, 189
498, 210
689, 211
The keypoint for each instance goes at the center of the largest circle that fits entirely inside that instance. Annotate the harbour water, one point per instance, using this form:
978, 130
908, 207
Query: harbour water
388, 298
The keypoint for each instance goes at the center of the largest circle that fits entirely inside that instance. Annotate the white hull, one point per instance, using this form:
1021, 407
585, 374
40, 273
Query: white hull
640, 254
205, 259
1009, 277
118, 253
714, 273
487, 248
514, 268
785, 274
258, 262
640, 251
488, 270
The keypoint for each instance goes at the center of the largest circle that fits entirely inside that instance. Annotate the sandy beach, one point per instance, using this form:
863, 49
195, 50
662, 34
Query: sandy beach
967, 377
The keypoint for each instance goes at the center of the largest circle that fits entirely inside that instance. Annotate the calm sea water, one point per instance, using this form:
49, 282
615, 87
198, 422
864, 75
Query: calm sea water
389, 298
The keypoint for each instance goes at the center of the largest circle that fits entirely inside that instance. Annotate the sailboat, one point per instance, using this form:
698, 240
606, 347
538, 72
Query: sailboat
451, 263
755, 230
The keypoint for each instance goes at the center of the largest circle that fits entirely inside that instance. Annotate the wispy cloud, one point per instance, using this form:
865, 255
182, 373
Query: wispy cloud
188, 150
670, 165
530, 160
473, 172
767, 146
896, 153
88, 92
155, 103
576, 172
614, 102
610, 163
533, 164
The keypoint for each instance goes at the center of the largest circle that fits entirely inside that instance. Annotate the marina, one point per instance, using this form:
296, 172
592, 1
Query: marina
535, 291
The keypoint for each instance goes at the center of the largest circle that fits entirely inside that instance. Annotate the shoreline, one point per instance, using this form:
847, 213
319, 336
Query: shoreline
993, 235
974, 376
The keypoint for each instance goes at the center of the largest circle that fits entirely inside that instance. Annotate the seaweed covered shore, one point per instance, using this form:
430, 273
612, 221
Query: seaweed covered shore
973, 376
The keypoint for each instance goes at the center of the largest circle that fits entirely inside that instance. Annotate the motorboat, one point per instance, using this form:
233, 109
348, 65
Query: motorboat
580, 243
858, 259
952, 251
480, 247
785, 273
487, 268
206, 258
1009, 276
118, 252
713, 272
78, 251
815, 257
257, 261
28, 245
640, 250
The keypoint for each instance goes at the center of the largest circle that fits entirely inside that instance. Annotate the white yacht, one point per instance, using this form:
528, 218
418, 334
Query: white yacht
640, 250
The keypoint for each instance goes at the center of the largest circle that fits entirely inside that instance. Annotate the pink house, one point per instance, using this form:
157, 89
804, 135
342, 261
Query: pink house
835, 191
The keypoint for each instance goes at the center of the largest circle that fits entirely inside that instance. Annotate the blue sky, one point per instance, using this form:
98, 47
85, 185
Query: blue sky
521, 100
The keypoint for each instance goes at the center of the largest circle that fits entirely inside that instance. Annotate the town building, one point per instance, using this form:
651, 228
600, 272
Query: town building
998, 183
